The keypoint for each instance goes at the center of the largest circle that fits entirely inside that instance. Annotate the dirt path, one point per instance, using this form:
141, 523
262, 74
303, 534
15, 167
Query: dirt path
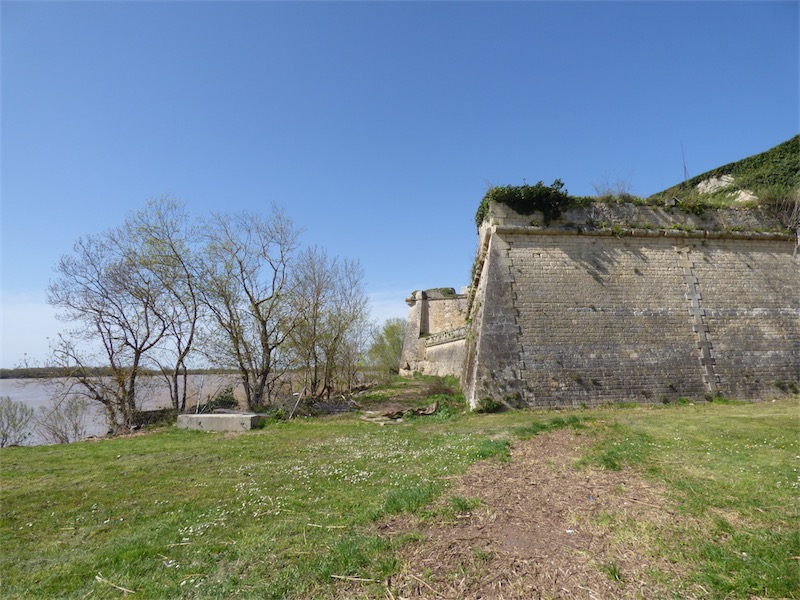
543, 529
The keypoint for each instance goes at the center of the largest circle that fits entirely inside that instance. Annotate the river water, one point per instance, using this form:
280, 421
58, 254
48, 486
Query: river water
35, 393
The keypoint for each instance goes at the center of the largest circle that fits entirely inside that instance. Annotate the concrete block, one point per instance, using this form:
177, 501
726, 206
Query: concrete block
218, 422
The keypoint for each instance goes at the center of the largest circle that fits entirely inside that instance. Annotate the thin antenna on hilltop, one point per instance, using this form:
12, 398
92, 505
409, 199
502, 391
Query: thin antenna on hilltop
685, 170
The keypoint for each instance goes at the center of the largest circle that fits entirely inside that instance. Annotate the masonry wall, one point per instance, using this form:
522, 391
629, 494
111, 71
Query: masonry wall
444, 314
564, 318
751, 302
434, 342
444, 359
493, 363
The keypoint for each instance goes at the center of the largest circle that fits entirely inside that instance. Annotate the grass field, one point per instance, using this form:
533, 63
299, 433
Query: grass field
291, 510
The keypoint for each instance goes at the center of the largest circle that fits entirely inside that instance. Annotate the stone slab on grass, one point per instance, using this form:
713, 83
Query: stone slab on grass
219, 422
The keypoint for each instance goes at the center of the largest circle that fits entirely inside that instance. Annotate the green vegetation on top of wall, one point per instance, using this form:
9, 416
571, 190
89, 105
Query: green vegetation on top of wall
446, 292
527, 199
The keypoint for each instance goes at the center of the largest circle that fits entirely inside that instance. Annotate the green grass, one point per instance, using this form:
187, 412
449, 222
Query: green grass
734, 468
460, 504
268, 513
620, 446
409, 498
541, 426
279, 512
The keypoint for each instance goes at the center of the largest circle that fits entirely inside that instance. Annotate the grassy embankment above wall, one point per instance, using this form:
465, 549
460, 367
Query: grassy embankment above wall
293, 510
769, 180
771, 176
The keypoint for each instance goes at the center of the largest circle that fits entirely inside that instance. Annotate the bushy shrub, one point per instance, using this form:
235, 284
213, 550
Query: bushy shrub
489, 405
787, 386
14, 420
527, 199
64, 421
273, 414
161, 416
225, 399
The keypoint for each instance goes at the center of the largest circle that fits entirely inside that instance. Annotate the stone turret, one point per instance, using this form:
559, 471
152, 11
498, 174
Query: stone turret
434, 343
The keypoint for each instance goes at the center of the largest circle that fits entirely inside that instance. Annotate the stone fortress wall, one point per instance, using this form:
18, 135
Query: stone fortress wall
621, 303
436, 332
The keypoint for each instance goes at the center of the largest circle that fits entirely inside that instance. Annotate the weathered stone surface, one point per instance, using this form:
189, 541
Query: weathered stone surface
737, 222
566, 317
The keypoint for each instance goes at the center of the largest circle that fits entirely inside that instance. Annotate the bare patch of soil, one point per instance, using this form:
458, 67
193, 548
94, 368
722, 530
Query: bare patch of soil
543, 529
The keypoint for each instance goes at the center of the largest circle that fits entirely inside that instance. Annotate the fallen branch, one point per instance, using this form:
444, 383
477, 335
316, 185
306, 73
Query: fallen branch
645, 503
347, 578
99, 577
426, 585
592, 595
326, 526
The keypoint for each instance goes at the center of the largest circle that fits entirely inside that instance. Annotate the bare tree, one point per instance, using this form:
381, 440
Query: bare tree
329, 294
140, 292
165, 247
246, 286
347, 320
313, 286
120, 307
353, 353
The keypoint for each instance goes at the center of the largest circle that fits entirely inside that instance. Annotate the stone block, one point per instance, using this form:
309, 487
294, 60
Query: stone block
219, 422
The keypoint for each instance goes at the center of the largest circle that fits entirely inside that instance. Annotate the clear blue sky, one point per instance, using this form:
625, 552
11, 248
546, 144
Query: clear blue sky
377, 125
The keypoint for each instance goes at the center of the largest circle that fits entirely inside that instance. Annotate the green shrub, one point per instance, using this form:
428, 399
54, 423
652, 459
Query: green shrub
223, 400
787, 386
489, 405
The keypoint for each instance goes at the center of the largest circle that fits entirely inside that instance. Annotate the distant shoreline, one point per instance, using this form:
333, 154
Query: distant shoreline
46, 372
